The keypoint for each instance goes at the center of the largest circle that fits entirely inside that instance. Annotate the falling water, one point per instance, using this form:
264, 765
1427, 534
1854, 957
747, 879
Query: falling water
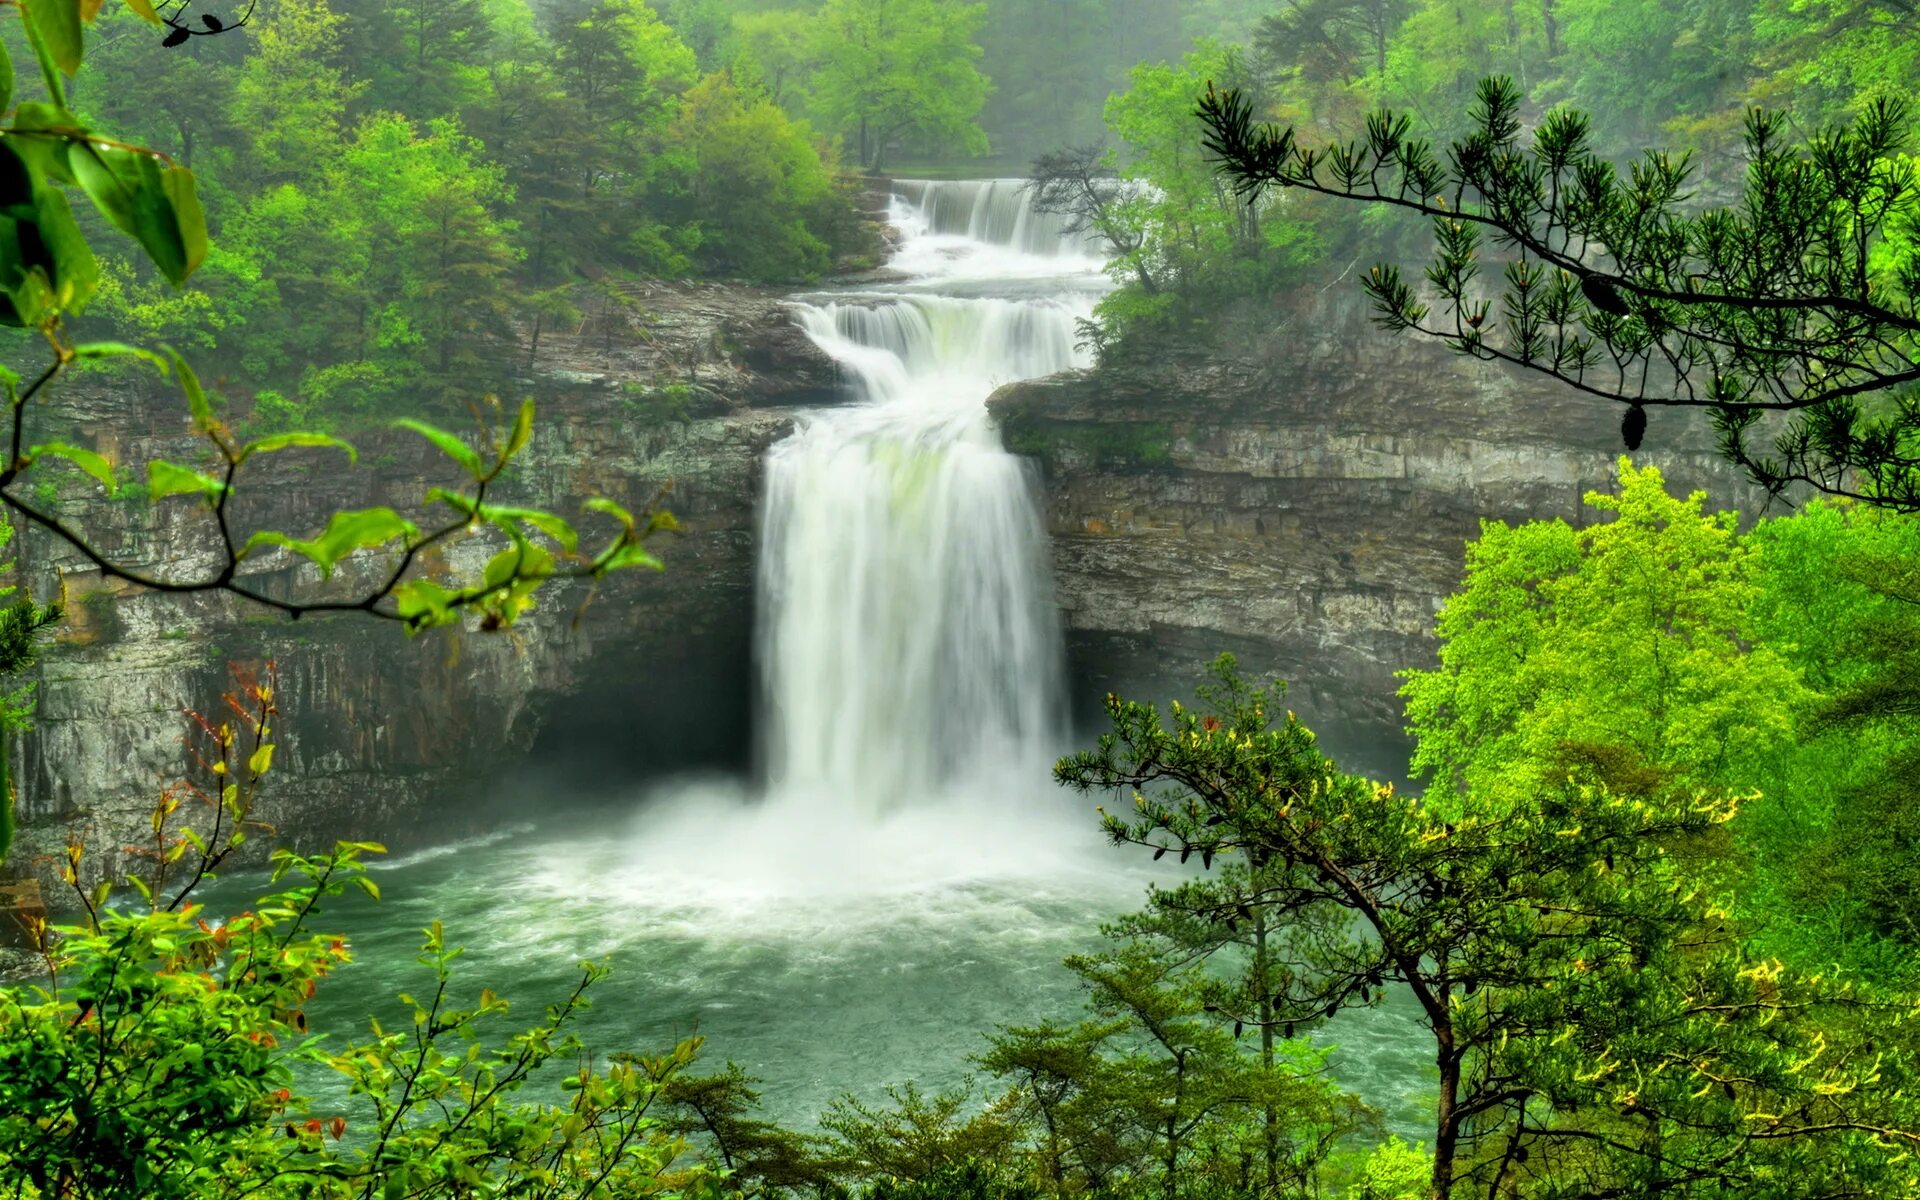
909, 643
995, 212
906, 854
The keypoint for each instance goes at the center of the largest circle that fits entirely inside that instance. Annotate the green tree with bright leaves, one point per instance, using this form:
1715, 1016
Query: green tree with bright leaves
1630, 638
49, 274
896, 73
1598, 1027
166, 1051
1154, 1094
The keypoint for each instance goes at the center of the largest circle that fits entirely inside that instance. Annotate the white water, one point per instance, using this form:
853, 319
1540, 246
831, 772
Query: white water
907, 876
909, 644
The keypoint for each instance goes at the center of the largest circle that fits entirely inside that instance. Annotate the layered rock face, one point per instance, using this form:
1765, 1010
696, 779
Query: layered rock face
1305, 505
389, 737
1302, 502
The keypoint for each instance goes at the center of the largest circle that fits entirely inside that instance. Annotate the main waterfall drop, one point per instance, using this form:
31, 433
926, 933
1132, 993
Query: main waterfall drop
908, 641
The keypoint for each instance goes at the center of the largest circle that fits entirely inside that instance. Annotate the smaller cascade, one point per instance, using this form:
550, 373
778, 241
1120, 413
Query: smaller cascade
987, 229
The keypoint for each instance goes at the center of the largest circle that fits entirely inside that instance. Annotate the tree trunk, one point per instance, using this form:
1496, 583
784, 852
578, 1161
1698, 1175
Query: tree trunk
1270, 1116
1446, 1125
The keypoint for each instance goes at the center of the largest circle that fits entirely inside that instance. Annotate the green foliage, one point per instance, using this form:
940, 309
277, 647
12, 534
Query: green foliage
404, 195
1617, 283
1581, 983
899, 72
1627, 644
1184, 246
157, 1058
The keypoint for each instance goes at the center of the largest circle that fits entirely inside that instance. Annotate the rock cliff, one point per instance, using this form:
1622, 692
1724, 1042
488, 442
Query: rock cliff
389, 737
1303, 501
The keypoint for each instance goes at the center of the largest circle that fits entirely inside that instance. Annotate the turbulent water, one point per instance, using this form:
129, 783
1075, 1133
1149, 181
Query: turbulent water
901, 876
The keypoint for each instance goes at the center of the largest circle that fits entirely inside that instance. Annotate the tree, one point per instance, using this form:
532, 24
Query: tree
1185, 242
1327, 39
898, 72
48, 274
158, 1059
730, 145
1796, 304
1154, 1094
1630, 639
1081, 184
1597, 1027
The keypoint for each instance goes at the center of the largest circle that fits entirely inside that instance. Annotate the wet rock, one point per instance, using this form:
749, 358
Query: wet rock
1304, 503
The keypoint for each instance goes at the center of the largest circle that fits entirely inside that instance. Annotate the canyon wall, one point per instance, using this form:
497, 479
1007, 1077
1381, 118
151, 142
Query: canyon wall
1303, 502
386, 736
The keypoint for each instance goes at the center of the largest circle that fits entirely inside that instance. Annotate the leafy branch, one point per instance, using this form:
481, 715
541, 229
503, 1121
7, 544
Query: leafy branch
1799, 301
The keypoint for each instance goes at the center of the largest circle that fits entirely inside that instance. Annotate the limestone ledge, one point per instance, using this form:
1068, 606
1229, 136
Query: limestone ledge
1305, 503
384, 736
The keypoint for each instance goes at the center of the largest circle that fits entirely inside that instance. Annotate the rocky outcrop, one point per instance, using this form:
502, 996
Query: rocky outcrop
390, 737
1304, 504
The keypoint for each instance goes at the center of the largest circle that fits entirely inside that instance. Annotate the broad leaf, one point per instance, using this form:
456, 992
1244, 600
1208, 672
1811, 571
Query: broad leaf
197, 402
171, 479
346, 532
6, 79
75, 275
87, 460
132, 189
57, 24
120, 350
625, 555
449, 445
546, 522
191, 220
522, 430
601, 504
282, 441
462, 504
423, 604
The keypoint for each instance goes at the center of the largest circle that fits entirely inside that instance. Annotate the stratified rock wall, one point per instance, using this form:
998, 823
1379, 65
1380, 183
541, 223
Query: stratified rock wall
385, 736
1305, 505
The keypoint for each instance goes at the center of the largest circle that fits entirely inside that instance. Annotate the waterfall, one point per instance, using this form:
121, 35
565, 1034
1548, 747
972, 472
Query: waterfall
908, 641
996, 212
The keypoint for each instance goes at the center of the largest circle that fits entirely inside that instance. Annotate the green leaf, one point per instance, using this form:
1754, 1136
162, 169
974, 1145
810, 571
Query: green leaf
87, 460
75, 276
262, 760
6, 79
120, 350
423, 604
56, 23
171, 479
144, 10
457, 501
449, 445
33, 116
132, 189
346, 532
197, 402
283, 441
521, 562
522, 430
189, 217
601, 504
546, 522
625, 555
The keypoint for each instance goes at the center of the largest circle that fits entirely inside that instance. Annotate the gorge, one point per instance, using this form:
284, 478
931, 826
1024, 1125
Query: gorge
1301, 501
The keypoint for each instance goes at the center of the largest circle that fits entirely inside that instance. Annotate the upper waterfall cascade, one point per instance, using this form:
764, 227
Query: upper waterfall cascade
908, 641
